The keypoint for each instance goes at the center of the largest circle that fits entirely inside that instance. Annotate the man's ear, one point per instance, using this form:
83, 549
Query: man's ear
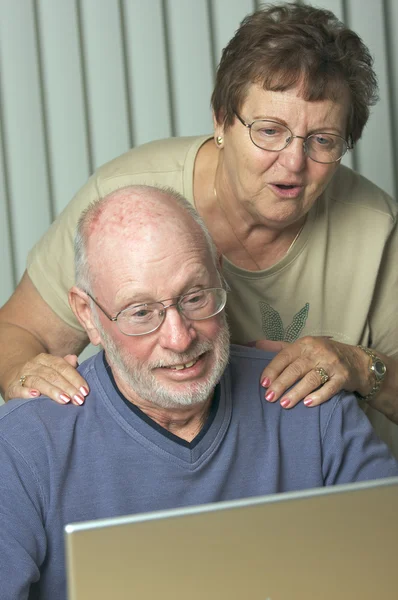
80, 304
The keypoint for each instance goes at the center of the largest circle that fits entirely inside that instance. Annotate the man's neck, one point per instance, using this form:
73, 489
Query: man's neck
184, 422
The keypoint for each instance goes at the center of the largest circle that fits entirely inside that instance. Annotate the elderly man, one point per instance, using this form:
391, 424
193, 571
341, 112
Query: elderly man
174, 417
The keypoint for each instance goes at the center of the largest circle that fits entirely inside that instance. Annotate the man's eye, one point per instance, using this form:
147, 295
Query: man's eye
194, 300
140, 314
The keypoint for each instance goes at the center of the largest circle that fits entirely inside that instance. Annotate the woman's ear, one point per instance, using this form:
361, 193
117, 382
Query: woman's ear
218, 131
80, 304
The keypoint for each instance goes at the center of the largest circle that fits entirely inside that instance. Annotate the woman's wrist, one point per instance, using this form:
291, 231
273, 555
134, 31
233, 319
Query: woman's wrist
377, 371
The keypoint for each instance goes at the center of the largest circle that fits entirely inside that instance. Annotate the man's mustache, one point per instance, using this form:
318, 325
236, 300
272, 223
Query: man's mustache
172, 358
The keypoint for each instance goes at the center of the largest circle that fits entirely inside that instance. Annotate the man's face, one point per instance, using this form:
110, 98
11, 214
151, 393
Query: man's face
180, 363
151, 380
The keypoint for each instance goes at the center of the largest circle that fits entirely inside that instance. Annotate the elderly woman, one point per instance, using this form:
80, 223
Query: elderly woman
309, 247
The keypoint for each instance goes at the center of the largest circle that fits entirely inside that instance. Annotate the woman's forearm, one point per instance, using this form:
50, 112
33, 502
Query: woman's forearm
32, 340
18, 346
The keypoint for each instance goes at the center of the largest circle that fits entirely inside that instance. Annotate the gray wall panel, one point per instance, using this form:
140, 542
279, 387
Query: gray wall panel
83, 80
147, 69
191, 68
6, 261
23, 127
106, 85
63, 97
391, 27
227, 15
375, 149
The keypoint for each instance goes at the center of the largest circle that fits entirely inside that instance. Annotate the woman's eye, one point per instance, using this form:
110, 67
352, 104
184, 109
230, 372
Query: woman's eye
322, 140
268, 132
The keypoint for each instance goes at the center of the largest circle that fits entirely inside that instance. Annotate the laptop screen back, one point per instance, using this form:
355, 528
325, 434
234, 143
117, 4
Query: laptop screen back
332, 543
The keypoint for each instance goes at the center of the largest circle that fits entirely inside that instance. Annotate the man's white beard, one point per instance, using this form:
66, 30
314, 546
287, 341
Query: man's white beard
140, 379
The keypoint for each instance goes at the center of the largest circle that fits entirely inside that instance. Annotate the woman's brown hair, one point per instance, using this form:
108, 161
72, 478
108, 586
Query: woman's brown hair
283, 46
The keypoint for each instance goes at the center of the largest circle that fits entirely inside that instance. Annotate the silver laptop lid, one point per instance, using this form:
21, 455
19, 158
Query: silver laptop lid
331, 543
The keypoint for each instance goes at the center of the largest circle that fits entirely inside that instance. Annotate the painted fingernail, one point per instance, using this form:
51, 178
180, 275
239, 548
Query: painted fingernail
84, 391
64, 398
78, 399
266, 382
270, 396
34, 393
308, 401
285, 402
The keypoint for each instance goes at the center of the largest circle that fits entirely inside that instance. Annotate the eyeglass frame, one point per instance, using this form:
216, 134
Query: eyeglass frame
176, 304
292, 137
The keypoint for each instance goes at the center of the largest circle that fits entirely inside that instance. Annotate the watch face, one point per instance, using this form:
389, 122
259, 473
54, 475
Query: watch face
379, 369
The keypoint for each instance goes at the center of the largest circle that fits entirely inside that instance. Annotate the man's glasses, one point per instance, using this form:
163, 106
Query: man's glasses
273, 136
140, 319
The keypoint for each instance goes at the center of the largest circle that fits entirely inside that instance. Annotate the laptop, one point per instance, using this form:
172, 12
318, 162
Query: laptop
330, 543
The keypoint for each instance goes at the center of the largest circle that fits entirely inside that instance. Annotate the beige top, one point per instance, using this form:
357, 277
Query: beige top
340, 278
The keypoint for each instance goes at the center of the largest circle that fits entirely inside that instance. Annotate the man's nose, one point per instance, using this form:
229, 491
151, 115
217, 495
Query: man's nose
176, 332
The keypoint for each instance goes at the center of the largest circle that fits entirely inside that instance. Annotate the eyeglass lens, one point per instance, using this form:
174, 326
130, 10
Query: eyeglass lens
197, 306
273, 136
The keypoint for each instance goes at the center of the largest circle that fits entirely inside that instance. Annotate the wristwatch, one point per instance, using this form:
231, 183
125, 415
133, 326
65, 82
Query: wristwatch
377, 368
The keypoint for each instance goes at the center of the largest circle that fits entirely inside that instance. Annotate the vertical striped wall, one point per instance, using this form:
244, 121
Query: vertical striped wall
81, 81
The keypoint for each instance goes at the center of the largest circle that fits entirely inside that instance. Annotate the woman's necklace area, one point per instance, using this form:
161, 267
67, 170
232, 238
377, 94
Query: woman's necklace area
253, 260
234, 232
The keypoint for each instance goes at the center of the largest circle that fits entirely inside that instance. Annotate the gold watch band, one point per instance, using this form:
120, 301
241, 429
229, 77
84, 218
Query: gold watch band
376, 381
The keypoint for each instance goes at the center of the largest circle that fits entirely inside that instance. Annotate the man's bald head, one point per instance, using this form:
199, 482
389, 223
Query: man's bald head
135, 215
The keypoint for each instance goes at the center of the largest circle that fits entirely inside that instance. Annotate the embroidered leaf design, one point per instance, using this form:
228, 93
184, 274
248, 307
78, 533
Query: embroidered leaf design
271, 322
293, 330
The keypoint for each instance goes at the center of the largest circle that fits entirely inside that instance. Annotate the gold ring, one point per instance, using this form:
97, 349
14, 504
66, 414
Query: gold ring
22, 380
323, 375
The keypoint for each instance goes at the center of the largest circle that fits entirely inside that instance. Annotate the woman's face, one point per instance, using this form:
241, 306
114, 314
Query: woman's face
257, 178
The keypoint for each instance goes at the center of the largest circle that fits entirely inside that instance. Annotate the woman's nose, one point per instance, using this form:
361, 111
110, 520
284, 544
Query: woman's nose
294, 157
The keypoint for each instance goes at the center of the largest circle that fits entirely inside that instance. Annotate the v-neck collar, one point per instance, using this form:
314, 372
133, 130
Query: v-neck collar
151, 435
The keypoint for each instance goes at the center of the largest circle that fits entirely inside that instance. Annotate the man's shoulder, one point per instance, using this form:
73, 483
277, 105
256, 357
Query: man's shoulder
27, 421
246, 365
28, 426
249, 355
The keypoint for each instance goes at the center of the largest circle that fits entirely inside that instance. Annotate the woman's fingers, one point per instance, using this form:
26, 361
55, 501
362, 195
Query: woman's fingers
51, 376
313, 369
310, 390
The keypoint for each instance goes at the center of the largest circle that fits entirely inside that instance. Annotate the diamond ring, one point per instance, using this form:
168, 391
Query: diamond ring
323, 375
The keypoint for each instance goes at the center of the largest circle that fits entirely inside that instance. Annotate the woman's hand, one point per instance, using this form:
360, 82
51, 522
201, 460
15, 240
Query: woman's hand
295, 366
51, 376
